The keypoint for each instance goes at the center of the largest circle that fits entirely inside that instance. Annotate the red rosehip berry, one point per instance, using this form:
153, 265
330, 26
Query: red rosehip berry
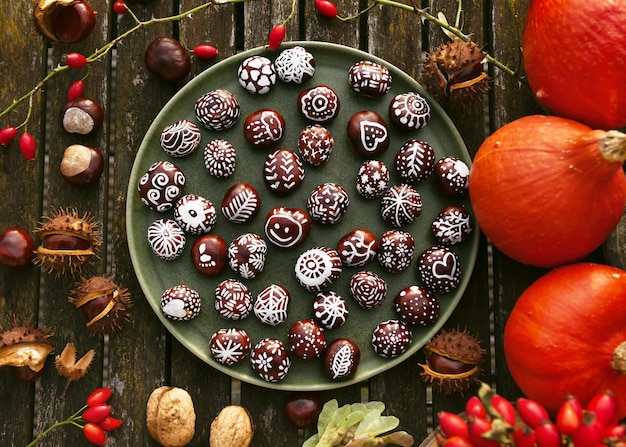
524, 437
75, 60
477, 427
205, 51
568, 416
75, 90
531, 411
99, 396
120, 7
453, 425
97, 413
94, 434
7, 134
547, 434
589, 432
505, 408
276, 37
110, 423
326, 8
604, 406
27, 146
475, 407
456, 441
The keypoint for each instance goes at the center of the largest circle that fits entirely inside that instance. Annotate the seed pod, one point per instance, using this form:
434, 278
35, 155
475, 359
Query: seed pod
68, 241
104, 305
26, 349
453, 74
452, 361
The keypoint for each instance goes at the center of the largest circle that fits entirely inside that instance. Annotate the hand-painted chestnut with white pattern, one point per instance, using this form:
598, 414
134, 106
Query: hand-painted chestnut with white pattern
161, 185
241, 203
246, 255
409, 111
452, 176
257, 74
368, 289
415, 161
180, 138
341, 359
283, 171
452, 225
357, 248
209, 254
395, 250
318, 104
368, 133
317, 268
217, 109
330, 310
440, 270
307, 339
167, 240
270, 359
391, 338
401, 205
287, 227
368, 78
220, 158
195, 214
372, 179
264, 128
328, 203
233, 300
417, 306
272, 305
230, 346
295, 65
315, 144
180, 303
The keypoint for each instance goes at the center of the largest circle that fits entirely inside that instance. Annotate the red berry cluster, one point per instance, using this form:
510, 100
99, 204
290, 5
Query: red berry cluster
491, 421
97, 417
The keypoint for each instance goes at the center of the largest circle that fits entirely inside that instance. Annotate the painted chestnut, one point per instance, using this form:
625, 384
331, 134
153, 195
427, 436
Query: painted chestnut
167, 59
17, 248
66, 21
82, 165
82, 116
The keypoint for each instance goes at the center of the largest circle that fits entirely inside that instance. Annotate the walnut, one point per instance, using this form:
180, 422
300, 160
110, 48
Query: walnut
170, 416
231, 428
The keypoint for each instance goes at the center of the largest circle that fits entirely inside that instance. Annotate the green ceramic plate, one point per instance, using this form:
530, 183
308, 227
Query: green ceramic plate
155, 275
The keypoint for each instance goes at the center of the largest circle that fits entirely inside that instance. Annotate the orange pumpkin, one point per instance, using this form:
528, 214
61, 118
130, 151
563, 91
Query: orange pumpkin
547, 190
574, 57
566, 334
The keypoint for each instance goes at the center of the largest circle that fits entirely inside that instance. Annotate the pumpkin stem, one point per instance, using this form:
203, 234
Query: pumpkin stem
619, 358
613, 146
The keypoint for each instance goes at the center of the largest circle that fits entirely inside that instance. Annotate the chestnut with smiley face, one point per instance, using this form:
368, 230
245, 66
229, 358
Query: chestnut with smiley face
287, 227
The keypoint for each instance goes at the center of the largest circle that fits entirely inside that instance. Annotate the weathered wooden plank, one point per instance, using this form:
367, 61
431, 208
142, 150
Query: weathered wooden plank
138, 356
22, 65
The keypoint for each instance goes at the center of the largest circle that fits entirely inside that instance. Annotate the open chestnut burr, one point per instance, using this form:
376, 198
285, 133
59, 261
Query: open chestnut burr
66, 21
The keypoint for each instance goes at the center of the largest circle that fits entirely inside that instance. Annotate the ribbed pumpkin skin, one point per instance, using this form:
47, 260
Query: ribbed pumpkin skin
542, 192
560, 336
574, 57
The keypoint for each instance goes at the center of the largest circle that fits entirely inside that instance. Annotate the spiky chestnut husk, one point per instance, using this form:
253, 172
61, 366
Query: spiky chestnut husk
68, 241
104, 305
25, 346
453, 361
66, 21
453, 74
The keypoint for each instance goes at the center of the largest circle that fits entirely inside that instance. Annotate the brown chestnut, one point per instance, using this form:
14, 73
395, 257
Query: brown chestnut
82, 165
167, 59
82, 116
66, 21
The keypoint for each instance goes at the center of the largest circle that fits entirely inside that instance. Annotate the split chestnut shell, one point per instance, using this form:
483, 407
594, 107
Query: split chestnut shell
25, 347
66, 21
104, 305
453, 361
68, 241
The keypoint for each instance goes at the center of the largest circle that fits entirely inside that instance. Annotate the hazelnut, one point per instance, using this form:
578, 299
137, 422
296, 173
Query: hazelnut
66, 21
82, 165
232, 427
170, 416
166, 58
82, 116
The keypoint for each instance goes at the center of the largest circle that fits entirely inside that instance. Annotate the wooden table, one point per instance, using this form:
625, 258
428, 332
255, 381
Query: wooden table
145, 356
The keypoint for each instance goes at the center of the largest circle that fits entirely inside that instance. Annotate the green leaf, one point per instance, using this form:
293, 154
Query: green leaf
312, 441
374, 424
326, 415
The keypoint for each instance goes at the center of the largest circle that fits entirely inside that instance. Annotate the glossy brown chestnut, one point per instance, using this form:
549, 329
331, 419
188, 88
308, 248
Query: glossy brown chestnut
82, 165
66, 21
167, 59
82, 116
17, 248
